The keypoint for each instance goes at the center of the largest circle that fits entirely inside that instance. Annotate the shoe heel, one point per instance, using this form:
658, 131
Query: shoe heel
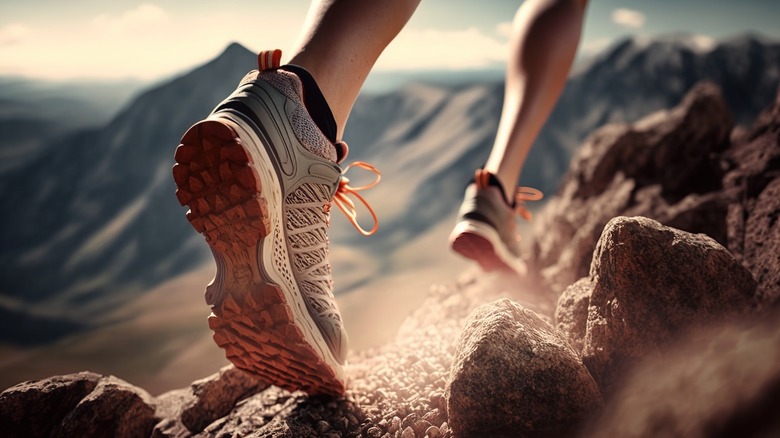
215, 179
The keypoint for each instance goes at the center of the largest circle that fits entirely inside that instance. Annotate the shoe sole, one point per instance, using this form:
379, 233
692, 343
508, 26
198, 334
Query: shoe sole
262, 326
480, 242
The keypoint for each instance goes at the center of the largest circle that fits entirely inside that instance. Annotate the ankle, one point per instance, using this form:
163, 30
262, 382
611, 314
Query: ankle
494, 181
315, 102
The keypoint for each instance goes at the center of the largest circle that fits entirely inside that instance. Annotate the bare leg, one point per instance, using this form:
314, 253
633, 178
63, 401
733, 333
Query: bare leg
544, 40
342, 40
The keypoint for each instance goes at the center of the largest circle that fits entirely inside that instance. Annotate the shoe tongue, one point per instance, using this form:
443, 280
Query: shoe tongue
493, 181
315, 102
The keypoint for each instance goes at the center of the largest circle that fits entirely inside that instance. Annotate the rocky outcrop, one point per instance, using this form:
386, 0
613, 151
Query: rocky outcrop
657, 167
754, 233
685, 168
514, 375
82, 404
651, 285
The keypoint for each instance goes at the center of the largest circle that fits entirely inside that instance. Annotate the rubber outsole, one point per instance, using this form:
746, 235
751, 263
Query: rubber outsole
251, 317
467, 241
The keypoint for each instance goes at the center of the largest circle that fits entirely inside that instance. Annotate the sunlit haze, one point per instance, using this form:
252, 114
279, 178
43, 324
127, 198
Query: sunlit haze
154, 39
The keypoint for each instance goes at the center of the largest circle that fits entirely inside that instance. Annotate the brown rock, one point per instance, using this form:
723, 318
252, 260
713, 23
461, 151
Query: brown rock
762, 244
724, 383
114, 408
37, 408
513, 374
216, 395
651, 285
571, 314
673, 154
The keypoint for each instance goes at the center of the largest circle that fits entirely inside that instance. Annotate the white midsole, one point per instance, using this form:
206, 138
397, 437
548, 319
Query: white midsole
272, 191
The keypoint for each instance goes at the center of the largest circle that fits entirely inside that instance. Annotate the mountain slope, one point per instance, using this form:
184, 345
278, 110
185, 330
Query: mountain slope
94, 219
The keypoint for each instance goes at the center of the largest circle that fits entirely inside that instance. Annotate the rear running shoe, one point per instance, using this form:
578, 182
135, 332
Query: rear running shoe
486, 228
259, 178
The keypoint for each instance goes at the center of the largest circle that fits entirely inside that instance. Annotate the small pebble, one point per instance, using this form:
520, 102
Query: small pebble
420, 427
395, 425
408, 433
323, 426
374, 432
433, 432
409, 420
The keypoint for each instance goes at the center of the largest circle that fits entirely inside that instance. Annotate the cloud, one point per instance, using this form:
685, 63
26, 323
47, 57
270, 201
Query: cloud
440, 49
13, 33
628, 18
504, 29
144, 14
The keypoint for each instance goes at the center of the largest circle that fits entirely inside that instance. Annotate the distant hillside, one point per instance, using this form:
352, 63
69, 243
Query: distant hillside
34, 112
93, 222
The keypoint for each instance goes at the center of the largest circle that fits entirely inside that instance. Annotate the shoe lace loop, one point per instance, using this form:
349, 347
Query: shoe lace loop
344, 191
522, 194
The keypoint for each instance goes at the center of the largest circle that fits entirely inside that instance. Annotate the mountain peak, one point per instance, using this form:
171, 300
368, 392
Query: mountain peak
234, 49
694, 42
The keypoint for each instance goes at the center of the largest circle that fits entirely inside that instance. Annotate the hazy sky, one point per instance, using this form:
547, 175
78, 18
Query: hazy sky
153, 39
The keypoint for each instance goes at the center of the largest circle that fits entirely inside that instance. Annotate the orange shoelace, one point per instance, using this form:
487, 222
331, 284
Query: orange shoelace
346, 204
522, 194
270, 59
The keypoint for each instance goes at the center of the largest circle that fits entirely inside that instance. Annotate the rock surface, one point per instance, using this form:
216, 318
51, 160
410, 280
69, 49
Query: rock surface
514, 376
571, 314
754, 234
49, 400
82, 404
685, 168
651, 285
647, 168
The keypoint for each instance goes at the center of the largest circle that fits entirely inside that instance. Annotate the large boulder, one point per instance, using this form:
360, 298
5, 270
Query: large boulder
754, 233
36, 408
113, 408
663, 166
514, 375
651, 285
762, 243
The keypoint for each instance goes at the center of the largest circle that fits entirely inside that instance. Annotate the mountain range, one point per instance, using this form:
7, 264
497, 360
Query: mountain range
91, 221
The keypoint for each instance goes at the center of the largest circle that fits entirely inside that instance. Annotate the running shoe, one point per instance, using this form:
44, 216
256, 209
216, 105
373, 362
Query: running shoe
259, 178
486, 230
